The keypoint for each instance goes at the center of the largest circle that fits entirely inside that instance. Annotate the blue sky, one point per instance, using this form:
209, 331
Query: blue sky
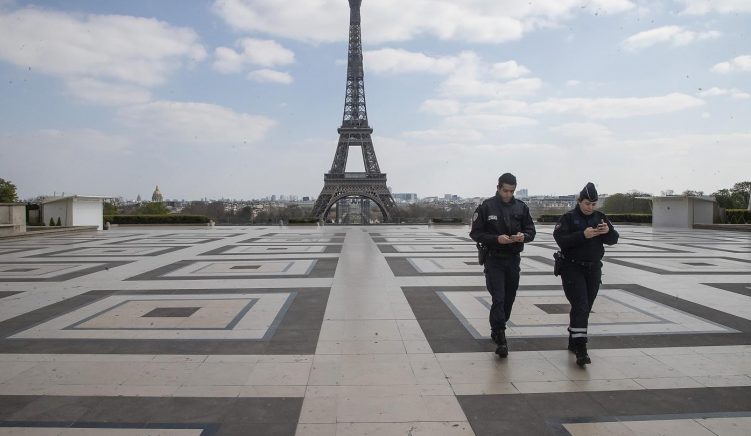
242, 98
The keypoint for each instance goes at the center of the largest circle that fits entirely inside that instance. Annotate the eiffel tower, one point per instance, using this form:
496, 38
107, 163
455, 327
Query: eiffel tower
340, 187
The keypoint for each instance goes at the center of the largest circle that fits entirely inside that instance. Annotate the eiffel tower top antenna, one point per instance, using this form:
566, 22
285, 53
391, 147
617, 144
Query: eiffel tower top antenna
355, 109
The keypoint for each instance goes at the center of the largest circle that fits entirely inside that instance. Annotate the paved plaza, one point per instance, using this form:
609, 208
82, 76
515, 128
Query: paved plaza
378, 330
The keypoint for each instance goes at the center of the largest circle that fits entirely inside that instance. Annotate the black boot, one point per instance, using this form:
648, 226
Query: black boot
582, 358
571, 345
499, 337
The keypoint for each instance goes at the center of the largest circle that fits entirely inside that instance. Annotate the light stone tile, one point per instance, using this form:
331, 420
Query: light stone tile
273, 391
159, 373
443, 408
325, 370
640, 367
384, 408
78, 373
461, 428
319, 410
670, 427
145, 391
668, 383
10, 369
249, 359
375, 370
698, 366
598, 429
316, 430
484, 388
418, 347
546, 386
207, 391
22, 389
608, 385
410, 330
359, 330
279, 374
724, 380
220, 374
735, 426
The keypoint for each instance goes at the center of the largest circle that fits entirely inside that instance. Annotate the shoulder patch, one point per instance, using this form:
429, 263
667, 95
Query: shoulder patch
558, 226
475, 216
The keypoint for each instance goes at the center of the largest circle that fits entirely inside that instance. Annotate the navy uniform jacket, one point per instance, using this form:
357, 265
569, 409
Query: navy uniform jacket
569, 234
493, 218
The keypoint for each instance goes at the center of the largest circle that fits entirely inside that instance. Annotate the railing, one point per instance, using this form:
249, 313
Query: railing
355, 176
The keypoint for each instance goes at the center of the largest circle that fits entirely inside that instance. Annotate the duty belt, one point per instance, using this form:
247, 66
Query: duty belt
502, 254
578, 262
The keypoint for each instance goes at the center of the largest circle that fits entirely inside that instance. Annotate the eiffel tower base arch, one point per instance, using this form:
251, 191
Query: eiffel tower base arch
355, 185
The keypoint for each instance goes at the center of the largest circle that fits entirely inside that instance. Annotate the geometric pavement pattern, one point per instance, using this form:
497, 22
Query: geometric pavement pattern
365, 330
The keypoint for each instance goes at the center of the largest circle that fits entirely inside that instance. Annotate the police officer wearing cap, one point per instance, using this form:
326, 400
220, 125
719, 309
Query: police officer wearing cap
581, 234
502, 225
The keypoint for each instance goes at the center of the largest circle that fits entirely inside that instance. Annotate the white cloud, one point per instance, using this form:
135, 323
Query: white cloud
702, 7
102, 58
78, 140
261, 52
739, 63
732, 92
603, 108
594, 108
195, 123
468, 75
488, 122
674, 35
142, 51
572, 83
441, 107
484, 21
582, 130
98, 92
509, 70
270, 76
464, 86
396, 61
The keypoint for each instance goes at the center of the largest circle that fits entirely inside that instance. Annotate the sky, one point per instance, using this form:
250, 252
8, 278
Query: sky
241, 99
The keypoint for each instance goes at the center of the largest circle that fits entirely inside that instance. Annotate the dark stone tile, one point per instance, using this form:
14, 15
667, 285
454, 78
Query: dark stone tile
626, 261
171, 312
54, 409
115, 252
323, 268
10, 404
565, 404
26, 266
738, 288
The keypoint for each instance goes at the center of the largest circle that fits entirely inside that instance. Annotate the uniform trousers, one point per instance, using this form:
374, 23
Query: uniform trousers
581, 284
502, 281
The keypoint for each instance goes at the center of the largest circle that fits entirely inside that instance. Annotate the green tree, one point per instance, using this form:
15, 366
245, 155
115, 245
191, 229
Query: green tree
627, 203
59, 224
110, 208
52, 222
729, 199
744, 189
8, 192
155, 208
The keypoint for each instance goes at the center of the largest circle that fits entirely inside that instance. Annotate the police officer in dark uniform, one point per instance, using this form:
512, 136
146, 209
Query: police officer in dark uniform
502, 225
581, 233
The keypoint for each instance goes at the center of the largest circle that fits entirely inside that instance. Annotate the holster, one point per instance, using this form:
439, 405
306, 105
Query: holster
558, 263
482, 253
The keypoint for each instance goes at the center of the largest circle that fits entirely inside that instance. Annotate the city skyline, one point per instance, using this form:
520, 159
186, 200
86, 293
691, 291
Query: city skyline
241, 98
